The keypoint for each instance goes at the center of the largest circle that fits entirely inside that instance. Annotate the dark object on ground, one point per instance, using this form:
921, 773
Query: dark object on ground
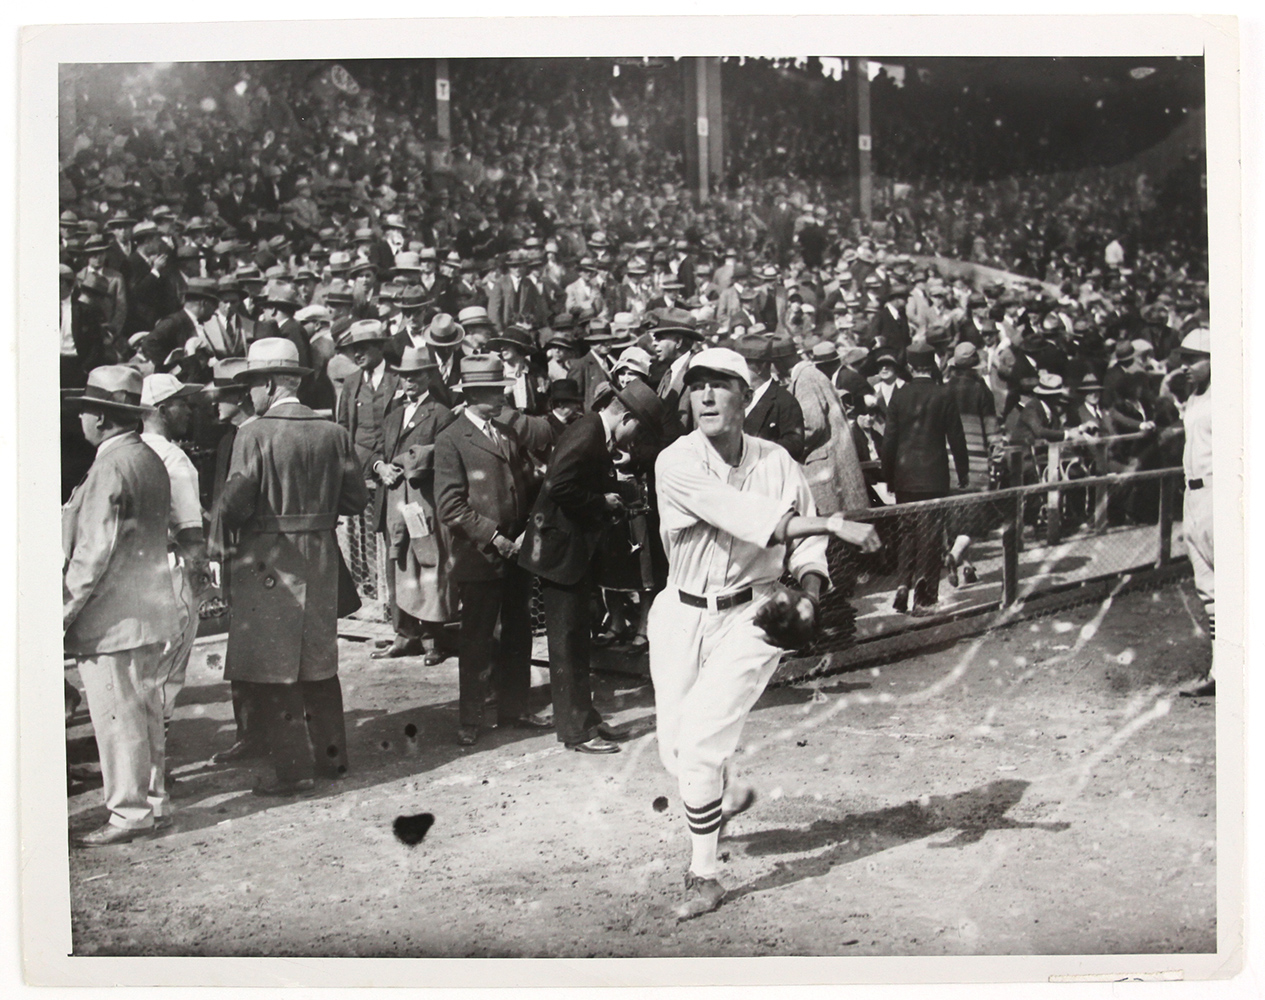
411, 829
660, 804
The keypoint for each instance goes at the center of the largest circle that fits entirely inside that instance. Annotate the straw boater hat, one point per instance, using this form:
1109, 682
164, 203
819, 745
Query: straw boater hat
414, 361
474, 317
115, 388
483, 371
1049, 384
444, 331
271, 356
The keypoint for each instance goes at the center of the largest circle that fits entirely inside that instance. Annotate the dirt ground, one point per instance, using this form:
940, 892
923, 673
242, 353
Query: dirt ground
1038, 791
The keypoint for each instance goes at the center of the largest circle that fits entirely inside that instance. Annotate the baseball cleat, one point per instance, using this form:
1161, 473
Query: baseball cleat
702, 895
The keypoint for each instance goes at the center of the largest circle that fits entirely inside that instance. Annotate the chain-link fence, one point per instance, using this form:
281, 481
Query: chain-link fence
961, 555
366, 557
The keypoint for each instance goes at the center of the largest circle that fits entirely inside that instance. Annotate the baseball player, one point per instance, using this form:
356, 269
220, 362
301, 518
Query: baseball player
736, 515
1193, 380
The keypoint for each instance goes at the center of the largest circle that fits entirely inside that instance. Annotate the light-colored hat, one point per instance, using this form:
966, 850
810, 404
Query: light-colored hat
414, 361
1049, 384
721, 360
473, 316
271, 356
161, 386
634, 359
444, 331
111, 387
319, 313
1197, 342
363, 331
965, 355
223, 382
623, 321
853, 355
407, 263
483, 371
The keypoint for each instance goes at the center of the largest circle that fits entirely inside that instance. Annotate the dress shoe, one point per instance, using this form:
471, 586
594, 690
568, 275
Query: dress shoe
968, 573
435, 657
613, 733
901, 603
1201, 687
239, 751
638, 644
403, 646
467, 736
596, 745
281, 789
526, 722
108, 835
702, 895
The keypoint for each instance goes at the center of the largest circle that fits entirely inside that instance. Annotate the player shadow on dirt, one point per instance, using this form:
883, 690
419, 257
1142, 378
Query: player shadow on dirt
972, 813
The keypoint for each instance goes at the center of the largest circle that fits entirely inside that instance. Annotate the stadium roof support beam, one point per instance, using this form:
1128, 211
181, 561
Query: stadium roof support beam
705, 151
443, 102
865, 180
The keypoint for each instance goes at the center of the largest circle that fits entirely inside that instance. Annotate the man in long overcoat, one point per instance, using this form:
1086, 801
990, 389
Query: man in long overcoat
293, 473
423, 597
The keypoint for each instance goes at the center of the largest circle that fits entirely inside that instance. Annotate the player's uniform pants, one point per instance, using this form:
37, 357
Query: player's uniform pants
125, 702
174, 662
1197, 527
709, 668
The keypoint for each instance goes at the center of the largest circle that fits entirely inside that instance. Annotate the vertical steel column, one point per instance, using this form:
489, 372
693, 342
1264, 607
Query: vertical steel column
443, 102
702, 128
864, 143
716, 125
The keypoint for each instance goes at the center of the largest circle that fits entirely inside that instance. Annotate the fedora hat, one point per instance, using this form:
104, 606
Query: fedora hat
482, 371
394, 222
411, 299
407, 263
111, 387
202, 288
414, 361
96, 283
363, 267
271, 356
824, 352
566, 339
1089, 383
444, 331
95, 244
363, 331
222, 382
282, 296
514, 335
565, 390
1049, 384
160, 387
644, 404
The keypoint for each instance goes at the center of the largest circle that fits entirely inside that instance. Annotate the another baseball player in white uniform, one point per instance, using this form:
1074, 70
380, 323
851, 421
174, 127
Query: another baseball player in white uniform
1196, 411
736, 513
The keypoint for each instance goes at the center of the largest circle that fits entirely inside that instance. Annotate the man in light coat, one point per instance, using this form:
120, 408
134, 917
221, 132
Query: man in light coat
118, 608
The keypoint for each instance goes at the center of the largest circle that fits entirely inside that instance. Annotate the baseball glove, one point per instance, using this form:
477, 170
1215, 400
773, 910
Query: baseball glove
785, 620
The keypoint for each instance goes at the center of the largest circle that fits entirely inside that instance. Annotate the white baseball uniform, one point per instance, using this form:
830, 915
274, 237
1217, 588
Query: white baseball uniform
710, 664
1197, 509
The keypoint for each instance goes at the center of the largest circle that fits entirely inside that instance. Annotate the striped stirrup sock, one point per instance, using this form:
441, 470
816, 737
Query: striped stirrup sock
703, 819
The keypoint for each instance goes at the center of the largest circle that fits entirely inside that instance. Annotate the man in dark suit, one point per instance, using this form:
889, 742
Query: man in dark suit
922, 418
773, 413
174, 331
153, 292
482, 496
892, 324
563, 545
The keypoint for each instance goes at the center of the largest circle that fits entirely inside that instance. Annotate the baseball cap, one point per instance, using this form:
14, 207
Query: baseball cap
720, 360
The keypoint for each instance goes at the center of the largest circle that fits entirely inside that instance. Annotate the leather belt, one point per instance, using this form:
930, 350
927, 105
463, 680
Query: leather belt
722, 603
1194, 484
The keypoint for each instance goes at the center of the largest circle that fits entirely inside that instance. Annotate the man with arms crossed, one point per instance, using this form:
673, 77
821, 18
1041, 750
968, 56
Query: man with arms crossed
736, 511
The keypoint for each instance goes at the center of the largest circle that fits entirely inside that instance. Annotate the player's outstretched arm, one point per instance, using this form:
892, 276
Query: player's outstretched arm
857, 533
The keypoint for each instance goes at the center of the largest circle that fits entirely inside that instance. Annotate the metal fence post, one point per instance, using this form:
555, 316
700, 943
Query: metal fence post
1165, 546
1053, 508
1016, 479
1010, 563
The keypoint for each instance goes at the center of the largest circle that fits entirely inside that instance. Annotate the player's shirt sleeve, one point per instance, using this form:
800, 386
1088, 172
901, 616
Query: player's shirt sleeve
688, 493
